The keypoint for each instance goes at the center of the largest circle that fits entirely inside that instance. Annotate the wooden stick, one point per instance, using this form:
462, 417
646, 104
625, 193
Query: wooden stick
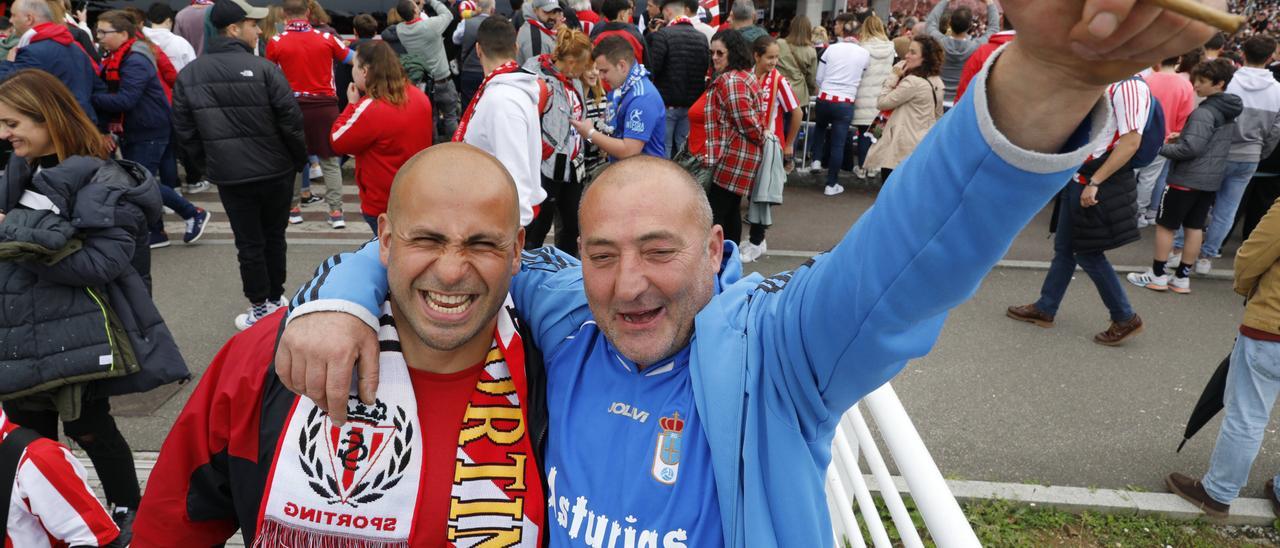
1228, 22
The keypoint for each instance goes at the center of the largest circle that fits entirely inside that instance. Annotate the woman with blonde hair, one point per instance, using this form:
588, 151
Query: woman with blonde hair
381, 126
100, 334
798, 60
562, 171
873, 38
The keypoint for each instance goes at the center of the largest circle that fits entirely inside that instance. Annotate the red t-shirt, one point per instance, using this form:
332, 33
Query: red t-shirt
698, 126
307, 58
442, 402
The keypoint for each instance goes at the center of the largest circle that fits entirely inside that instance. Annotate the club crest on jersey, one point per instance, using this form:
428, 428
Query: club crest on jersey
666, 455
358, 462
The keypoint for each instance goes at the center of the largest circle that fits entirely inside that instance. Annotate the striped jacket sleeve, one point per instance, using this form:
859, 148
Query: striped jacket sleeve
53, 500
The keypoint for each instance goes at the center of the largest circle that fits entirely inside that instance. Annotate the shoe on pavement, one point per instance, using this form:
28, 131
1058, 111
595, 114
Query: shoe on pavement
123, 518
197, 187
336, 221
1193, 491
196, 226
815, 166
158, 240
1030, 314
310, 199
277, 304
1149, 280
295, 216
1203, 266
256, 312
859, 172
833, 190
1271, 496
316, 172
747, 252
1180, 285
1144, 222
1119, 332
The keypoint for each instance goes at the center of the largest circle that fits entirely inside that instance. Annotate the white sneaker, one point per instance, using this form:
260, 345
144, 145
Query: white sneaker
859, 172
316, 172
833, 190
273, 306
1144, 222
1149, 280
763, 247
1180, 285
747, 252
815, 166
1203, 266
198, 187
255, 313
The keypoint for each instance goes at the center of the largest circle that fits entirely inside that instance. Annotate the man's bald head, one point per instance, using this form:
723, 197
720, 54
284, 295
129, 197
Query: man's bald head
453, 168
663, 179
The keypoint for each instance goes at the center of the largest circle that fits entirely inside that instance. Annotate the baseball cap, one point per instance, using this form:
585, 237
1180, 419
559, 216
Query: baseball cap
547, 5
227, 12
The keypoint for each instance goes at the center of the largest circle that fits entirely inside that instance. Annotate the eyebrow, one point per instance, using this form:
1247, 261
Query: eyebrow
416, 233
644, 238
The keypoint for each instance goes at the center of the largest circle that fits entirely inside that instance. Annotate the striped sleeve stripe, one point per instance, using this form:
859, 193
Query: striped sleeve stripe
67, 505
787, 97
364, 104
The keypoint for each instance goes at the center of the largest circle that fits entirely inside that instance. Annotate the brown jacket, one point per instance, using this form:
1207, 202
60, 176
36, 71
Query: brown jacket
1258, 274
917, 105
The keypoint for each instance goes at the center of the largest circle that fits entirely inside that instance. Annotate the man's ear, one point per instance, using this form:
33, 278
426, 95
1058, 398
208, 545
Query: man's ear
515, 264
384, 239
716, 246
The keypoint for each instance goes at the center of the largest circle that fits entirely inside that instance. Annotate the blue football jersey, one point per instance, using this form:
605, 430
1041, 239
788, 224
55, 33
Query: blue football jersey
627, 463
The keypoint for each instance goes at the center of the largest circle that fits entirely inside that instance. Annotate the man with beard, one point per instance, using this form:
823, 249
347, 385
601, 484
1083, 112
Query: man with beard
445, 450
692, 406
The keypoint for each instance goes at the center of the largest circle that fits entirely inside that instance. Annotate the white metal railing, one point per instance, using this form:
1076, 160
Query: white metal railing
946, 523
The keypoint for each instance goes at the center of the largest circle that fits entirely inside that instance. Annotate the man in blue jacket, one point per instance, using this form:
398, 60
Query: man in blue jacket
49, 46
692, 406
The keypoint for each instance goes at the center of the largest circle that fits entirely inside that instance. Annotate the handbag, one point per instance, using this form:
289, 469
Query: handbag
694, 165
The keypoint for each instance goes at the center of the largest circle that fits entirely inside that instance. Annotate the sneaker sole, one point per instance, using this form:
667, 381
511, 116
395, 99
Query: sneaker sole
161, 245
1180, 291
1211, 513
1036, 321
1121, 340
203, 226
293, 222
1155, 287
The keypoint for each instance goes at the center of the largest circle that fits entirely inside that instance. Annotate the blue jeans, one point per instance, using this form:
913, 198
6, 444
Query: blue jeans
1225, 204
1253, 382
1094, 263
836, 117
156, 155
677, 129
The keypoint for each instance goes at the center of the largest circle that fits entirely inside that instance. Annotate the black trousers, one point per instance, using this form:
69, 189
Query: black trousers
95, 432
726, 211
560, 208
259, 215
1258, 198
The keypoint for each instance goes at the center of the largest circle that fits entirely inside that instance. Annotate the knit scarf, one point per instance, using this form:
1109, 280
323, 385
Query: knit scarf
637, 73
682, 20
461, 132
297, 25
357, 485
111, 74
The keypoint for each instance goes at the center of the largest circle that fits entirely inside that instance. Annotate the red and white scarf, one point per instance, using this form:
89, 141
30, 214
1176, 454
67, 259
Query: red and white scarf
682, 20
461, 132
538, 25
298, 25
357, 485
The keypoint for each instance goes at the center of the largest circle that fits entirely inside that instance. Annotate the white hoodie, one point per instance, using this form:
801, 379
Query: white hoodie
1258, 127
505, 124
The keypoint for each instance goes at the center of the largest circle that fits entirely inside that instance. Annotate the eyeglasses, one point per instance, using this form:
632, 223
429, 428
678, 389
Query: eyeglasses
101, 32
719, 53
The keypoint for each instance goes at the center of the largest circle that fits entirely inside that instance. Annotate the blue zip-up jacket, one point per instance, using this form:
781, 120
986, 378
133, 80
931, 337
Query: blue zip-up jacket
775, 362
141, 97
67, 63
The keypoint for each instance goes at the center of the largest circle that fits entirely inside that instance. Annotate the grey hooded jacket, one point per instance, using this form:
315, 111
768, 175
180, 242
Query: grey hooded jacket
109, 205
1258, 129
958, 50
425, 37
1199, 156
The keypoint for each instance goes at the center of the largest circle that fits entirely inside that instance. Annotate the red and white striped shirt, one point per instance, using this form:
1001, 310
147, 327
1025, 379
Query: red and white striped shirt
1131, 106
783, 96
51, 504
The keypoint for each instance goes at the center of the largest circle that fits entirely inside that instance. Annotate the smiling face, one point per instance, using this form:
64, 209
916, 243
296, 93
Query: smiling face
649, 264
719, 56
451, 242
768, 61
29, 138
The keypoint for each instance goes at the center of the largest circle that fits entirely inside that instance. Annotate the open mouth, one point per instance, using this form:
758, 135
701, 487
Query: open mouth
641, 318
449, 305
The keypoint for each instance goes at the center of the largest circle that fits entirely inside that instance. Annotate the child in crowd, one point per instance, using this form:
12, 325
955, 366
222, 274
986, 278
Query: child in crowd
1199, 159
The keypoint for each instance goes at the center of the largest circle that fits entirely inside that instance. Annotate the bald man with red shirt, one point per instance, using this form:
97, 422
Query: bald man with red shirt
306, 56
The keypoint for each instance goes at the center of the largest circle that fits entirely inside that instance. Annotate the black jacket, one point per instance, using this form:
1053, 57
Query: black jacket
1113, 222
678, 57
109, 205
236, 117
1199, 156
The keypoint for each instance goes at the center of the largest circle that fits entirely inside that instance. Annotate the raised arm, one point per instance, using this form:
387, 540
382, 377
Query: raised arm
935, 16
993, 21
849, 320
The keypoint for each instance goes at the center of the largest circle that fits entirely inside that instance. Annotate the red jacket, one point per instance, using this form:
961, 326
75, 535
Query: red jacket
382, 137
979, 58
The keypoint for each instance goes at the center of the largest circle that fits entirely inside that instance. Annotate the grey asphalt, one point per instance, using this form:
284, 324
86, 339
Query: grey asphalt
996, 400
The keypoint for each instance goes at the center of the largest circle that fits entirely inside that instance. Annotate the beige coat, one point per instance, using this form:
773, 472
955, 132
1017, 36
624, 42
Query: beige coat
1258, 274
917, 105
800, 65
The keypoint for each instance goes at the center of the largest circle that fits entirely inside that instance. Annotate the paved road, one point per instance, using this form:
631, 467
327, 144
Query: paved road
996, 400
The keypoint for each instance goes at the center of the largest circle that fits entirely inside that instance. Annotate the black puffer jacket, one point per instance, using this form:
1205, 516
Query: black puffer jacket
109, 205
678, 57
1113, 222
1200, 154
235, 115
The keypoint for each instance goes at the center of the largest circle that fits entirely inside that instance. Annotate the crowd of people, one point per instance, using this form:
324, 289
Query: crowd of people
640, 139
